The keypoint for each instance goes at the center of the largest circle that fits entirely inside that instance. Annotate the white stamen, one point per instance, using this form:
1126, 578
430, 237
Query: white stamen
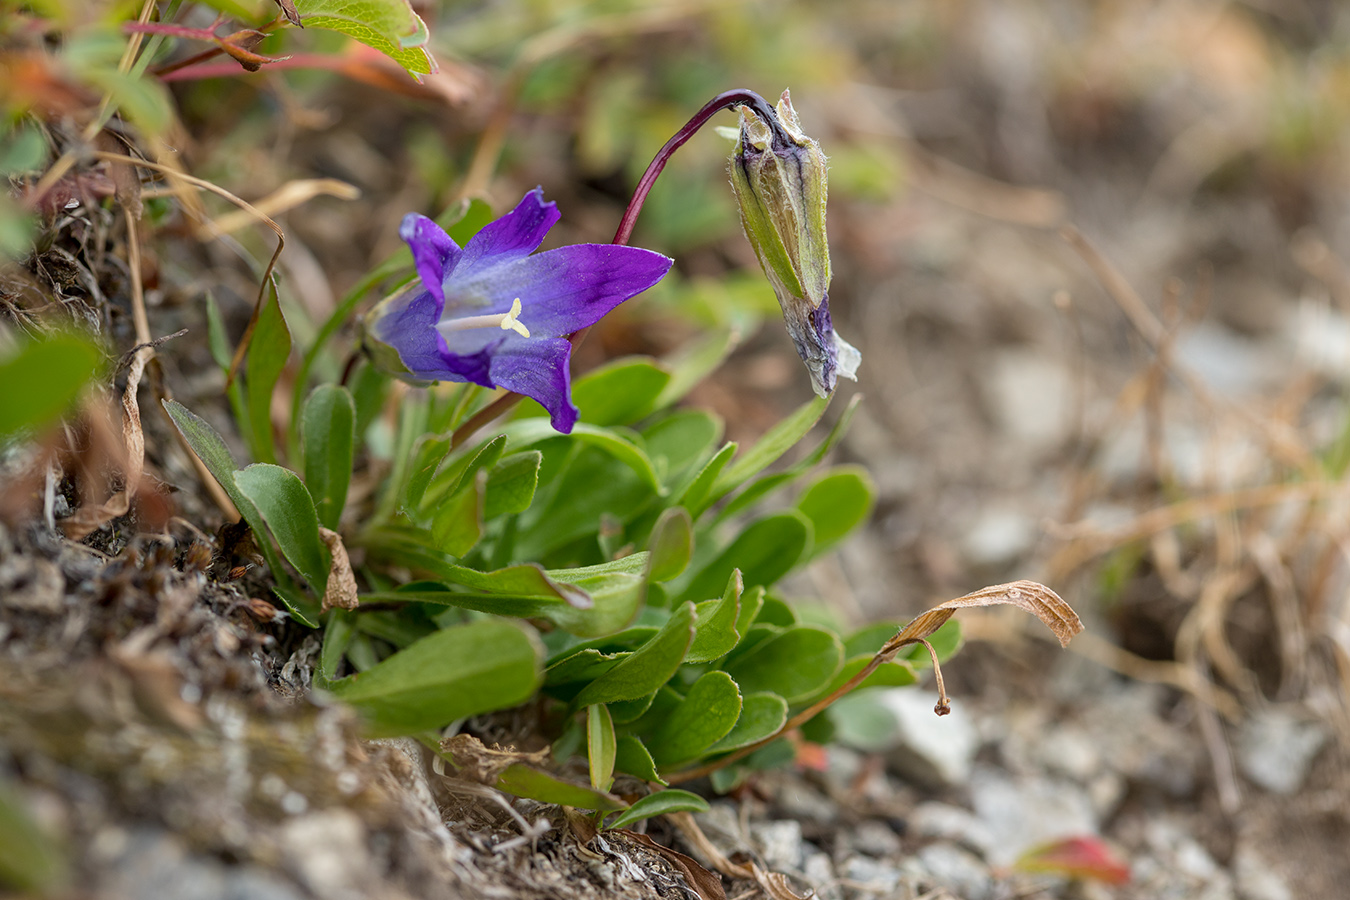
507, 322
510, 322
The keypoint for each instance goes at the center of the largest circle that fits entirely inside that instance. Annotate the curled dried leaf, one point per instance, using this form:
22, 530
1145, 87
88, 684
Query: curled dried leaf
341, 591
485, 764
1031, 596
708, 885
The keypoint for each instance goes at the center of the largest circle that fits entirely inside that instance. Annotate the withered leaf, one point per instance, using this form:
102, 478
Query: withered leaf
290, 12
341, 591
1031, 596
485, 764
707, 884
776, 885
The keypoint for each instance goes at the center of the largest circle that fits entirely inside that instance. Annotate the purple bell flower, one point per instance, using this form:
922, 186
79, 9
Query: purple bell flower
493, 314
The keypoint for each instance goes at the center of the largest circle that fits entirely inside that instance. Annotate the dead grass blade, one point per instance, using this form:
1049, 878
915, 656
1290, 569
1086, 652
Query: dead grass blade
285, 198
242, 349
88, 519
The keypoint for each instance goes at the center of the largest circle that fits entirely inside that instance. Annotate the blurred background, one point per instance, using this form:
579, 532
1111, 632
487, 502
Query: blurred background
1097, 259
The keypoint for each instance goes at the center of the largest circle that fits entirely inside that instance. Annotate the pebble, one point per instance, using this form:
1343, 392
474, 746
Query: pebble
960, 871
1276, 747
998, 536
1021, 812
818, 871
779, 843
1179, 868
878, 877
1031, 395
1254, 878
942, 820
931, 749
327, 851
154, 864
875, 839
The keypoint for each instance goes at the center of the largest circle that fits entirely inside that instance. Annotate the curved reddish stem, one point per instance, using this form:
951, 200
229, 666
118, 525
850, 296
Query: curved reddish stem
738, 97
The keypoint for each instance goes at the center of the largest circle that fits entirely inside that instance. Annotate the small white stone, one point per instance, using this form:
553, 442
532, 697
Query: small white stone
780, 843
1276, 746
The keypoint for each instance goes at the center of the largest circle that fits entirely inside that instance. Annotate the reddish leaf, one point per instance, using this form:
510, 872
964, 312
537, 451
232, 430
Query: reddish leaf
1076, 857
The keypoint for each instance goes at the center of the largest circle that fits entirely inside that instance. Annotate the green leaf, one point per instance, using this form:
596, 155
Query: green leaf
628, 639
30, 861
336, 637
794, 664
389, 26
521, 780
431, 451
267, 355
632, 758
764, 552
51, 373
622, 445
671, 545
582, 666
600, 746
302, 608
448, 675
511, 484
625, 711
619, 392
897, 673
458, 523
698, 496
213, 453
752, 601
280, 497
717, 635
328, 434
773, 611
837, 503
763, 713
650, 666
668, 801
453, 474
707, 714
775, 442
679, 441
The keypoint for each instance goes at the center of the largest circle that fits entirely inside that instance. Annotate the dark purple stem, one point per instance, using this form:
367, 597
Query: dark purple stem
739, 97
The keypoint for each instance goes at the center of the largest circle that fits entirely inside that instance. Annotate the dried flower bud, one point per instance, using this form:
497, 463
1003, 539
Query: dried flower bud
779, 176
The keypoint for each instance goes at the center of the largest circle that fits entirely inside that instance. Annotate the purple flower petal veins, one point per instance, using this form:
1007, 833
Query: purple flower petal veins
496, 313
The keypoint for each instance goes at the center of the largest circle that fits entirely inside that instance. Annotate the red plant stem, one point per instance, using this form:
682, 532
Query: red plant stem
738, 97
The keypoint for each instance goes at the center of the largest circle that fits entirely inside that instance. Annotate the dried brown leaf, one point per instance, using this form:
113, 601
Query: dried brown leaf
290, 12
776, 885
707, 884
87, 519
341, 591
1031, 596
485, 764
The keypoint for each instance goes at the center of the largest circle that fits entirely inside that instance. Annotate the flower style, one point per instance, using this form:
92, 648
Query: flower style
778, 174
497, 314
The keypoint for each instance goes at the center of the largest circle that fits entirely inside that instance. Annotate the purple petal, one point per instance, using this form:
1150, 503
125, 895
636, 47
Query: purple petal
410, 328
562, 290
539, 369
514, 236
434, 252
